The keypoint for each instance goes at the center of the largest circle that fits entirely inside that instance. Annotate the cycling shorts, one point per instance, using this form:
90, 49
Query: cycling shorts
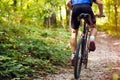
77, 10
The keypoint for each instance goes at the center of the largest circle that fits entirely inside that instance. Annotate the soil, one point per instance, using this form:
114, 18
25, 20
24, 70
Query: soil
102, 65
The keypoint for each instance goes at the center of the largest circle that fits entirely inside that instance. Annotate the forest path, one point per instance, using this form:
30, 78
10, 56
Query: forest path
102, 63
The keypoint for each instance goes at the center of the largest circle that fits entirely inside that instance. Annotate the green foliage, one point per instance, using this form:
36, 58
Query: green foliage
110, 29
115, 76
28, 50
41, 66
10, 68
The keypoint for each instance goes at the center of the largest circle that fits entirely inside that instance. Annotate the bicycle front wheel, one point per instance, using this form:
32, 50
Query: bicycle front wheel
78, 61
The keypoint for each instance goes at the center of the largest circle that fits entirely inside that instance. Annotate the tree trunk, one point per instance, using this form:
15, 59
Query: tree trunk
14, 4
109, 5
60, 15
21, 4
116, 16
53, 20
67, 16
46, 22
50, 21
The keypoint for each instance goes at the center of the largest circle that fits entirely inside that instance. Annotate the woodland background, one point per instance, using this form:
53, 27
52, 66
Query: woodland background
34, 35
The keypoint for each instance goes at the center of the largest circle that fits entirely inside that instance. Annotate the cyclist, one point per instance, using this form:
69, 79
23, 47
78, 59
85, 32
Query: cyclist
77, 7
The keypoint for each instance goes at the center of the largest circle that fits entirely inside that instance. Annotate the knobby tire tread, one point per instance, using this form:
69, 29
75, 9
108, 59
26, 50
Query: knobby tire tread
77, 65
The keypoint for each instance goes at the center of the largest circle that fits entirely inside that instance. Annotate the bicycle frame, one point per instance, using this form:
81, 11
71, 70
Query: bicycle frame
81, 51
82, 46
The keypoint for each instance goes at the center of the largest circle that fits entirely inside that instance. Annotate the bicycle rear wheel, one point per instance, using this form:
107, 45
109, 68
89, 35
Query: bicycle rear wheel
86, 58
86, 49
78, 61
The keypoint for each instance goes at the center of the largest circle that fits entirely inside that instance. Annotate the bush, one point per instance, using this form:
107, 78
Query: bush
10, 68
32, 50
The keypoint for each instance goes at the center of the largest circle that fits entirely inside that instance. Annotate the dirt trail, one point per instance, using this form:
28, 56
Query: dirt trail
102, 63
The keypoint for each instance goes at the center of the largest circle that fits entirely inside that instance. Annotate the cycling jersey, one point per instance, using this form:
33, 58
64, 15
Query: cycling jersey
81, 2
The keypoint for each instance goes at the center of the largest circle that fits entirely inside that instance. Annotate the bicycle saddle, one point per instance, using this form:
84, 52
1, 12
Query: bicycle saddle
86, 17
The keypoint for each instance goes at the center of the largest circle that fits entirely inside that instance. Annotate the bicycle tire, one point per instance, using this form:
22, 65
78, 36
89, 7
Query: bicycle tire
86, 58
86, 47
78, 61
81, 55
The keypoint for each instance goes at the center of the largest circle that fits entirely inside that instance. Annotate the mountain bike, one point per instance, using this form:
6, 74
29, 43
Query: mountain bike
82, 50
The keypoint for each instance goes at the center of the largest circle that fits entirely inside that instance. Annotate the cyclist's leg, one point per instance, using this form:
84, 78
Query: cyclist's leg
92, 45
73, 44
73, 39
74, 30
93, 30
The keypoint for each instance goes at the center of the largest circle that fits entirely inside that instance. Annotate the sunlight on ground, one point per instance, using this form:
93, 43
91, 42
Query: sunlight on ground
116, 43
103, 35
